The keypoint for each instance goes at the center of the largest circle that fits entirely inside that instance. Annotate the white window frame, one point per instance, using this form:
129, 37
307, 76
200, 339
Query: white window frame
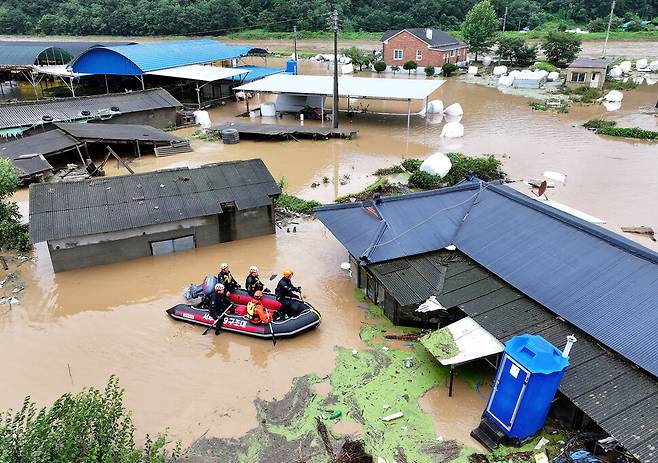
452, 53
395, 54
419, 55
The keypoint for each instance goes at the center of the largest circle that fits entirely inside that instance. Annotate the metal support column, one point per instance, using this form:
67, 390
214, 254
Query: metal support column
452, 376
72, 87
198, 95
322, 111
427, 103
408, 113
107, 87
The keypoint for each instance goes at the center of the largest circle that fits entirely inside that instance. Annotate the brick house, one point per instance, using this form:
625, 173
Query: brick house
425, 46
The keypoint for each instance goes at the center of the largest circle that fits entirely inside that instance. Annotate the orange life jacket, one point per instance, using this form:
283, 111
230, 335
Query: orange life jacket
256, 313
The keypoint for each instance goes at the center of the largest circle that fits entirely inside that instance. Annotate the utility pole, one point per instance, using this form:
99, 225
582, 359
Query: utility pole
295, 45
607, 32
334, 106
505, 19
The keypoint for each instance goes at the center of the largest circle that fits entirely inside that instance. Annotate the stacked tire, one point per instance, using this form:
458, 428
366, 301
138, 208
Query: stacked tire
230, 136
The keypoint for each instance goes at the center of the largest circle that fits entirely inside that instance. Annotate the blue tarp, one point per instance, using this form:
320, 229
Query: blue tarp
136, 59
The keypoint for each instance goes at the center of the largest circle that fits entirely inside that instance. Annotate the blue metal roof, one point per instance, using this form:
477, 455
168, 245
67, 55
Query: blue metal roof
255, 73
601, 282
136, 59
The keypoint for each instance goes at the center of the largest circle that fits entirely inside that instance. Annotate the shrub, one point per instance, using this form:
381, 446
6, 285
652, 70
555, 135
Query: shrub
380, 66
526, 55
634, 132
610, 84
448, 69
92, 426
598, 123
429, 70
395, 68
411, 165
13, 233
410, 66
544, 66
485, 168
396, 169
295, 204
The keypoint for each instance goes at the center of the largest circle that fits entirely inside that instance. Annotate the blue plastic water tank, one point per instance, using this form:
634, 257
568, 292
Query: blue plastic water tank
291, 66
527, 379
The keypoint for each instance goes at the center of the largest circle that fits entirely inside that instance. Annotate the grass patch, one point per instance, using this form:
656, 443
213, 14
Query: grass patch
619, 85
544, 66
205, 136
396, 169
582, 94
295, 204
537, 105
628, 132
261, 34
380, 186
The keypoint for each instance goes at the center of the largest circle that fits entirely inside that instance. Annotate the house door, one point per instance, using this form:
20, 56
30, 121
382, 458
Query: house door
507, 393
594, 83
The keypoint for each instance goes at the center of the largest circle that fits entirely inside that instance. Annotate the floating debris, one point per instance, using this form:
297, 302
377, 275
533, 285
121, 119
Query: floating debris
392, 417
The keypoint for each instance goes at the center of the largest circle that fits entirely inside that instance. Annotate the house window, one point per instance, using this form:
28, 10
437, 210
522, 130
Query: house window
419, 55
398, 54
183, 243
577, 77
452, 52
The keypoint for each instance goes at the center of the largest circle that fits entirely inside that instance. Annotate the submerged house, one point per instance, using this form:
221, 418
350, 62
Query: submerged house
104, 220
587, 72
515, 265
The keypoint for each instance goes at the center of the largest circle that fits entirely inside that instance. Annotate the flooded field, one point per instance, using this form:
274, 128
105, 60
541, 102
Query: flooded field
74, 329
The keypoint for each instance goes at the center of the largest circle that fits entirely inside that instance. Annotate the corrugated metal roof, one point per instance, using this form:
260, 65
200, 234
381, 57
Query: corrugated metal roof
27, 55
622, 399
26, 154
69, 209
593, 63
599, 281
255, 73
124, 132
31, 113
139, 58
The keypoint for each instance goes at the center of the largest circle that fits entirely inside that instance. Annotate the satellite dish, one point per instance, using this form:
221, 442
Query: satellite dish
542, 188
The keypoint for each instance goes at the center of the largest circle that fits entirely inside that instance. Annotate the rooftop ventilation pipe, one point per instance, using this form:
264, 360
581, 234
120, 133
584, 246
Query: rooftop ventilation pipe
571, 340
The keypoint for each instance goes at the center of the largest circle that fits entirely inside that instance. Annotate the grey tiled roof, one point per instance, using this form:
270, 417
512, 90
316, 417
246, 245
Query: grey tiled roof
99, 205
592, 63
123, 132
31, 113
41, 144
439, 38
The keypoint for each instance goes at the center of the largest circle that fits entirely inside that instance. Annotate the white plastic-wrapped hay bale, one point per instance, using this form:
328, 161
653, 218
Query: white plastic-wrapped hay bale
616, 71
612, 105
625, 66
454, 109
499, 70
486, 61
268, 109
506, 81
653, 66
553, 76
202, 118
641, 64
514, 73
437, 164
638, 80
472, 70
614, 96
453, 130
651, 81
435, 107
542, 73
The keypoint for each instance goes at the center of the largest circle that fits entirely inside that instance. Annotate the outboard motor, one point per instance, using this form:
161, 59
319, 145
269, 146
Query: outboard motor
193, 291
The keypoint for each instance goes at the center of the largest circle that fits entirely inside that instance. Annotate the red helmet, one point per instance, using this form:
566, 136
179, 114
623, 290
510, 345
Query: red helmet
258, 295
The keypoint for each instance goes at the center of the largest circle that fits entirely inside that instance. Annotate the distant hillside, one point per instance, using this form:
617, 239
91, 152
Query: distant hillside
221, 17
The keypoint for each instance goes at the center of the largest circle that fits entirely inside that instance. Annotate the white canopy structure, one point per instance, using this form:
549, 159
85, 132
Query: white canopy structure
58, 70
356, 87
199, 73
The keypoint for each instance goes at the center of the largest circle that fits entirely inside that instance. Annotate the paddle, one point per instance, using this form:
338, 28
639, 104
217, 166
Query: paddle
218, 323
269, 320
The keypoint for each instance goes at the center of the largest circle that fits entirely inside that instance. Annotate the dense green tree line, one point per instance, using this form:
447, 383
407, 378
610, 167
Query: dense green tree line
154, 17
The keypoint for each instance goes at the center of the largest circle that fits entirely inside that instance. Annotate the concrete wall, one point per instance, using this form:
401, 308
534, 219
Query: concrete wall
134, 243
410, 44
158, 118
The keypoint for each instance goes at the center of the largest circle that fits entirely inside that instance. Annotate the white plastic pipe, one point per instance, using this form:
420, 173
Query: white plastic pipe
571, 340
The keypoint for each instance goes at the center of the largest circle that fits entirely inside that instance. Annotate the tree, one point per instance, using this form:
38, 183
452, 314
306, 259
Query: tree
526, 55
601, 24
380, 66
448, 69
429, 70
561, 48
410, 66
13, 233
480, 28
508, 48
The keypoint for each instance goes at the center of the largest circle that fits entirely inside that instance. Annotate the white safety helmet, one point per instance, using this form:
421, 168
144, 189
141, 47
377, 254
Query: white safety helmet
219, 287
253, 268
223, 266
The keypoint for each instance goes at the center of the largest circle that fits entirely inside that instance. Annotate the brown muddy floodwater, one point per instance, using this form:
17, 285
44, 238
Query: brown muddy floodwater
110, 319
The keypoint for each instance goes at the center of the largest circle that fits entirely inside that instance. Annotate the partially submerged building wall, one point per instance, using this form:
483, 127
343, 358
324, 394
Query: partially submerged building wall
106, 248
248, 223
159, 118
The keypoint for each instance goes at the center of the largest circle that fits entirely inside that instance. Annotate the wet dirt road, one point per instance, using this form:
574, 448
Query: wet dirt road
110, 319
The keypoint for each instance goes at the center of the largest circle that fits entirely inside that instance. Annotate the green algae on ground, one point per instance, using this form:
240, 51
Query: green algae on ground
441, 344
